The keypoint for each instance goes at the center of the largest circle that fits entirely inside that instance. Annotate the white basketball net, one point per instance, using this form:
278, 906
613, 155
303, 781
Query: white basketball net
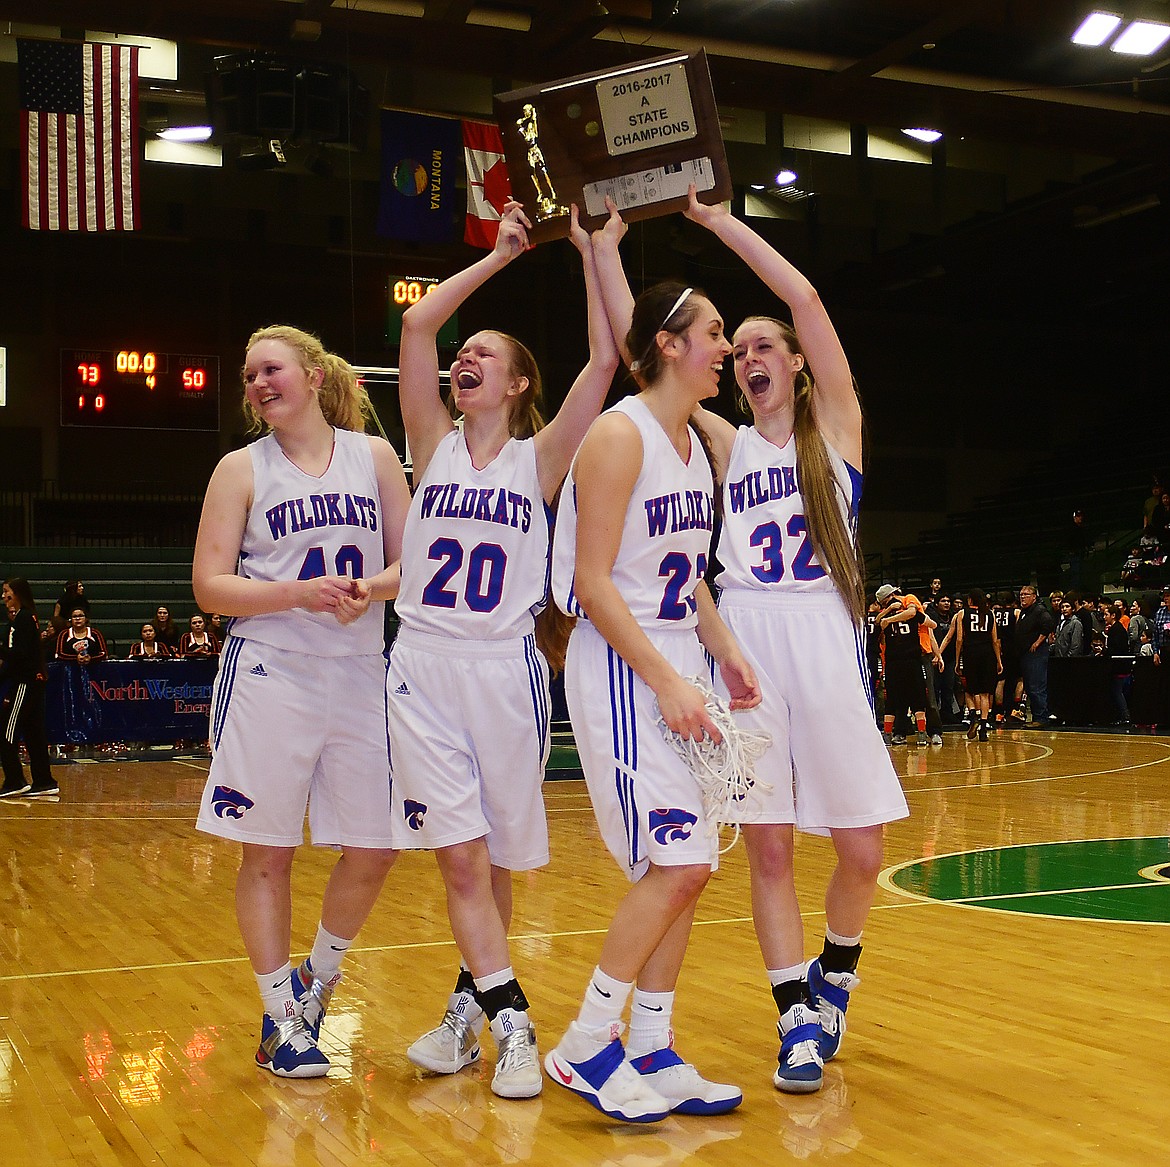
725, 771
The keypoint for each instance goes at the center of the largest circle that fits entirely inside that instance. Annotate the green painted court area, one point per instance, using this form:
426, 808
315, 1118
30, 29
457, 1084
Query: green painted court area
562, 759
1101, 879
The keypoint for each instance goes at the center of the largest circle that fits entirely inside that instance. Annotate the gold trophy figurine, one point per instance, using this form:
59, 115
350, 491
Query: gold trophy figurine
546, 195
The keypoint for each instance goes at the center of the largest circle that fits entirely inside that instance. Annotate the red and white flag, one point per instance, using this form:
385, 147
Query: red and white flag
488, 188
79, 136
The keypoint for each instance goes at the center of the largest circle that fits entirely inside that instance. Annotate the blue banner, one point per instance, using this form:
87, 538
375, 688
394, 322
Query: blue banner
421, 161
128, 701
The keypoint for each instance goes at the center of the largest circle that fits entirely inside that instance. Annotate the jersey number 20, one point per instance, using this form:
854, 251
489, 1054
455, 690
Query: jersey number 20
484, 585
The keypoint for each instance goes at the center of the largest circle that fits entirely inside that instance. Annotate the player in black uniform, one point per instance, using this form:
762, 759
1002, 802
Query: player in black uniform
977, 644
22, 696
902, 657
1009, 689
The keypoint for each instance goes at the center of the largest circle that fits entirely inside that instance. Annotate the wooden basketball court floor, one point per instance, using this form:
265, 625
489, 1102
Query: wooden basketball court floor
1014, 1006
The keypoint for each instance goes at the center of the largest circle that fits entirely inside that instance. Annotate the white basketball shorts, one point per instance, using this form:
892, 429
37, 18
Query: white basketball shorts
828, 765
647, 802
469, 739
290, 730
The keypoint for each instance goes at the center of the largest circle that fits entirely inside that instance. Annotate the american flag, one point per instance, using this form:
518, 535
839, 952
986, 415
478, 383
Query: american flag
79, 136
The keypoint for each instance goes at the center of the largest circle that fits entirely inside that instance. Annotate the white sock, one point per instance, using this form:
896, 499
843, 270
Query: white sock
277, 994
650, 1023
605, 1001
494, 980
843, 941
328, 953
777, 976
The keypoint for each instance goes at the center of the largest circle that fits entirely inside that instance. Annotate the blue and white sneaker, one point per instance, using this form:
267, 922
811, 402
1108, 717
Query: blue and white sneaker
800, 1069
314, 996
829, 992
683, 1087
288, 1050
600, 1074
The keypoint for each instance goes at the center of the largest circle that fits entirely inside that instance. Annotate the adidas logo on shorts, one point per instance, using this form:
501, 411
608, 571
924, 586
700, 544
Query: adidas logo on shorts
402, 690
258, 671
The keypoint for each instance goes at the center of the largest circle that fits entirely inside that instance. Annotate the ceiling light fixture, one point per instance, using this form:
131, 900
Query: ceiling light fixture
786, 177
1096, 28
1141, 38
921, 134
185, 133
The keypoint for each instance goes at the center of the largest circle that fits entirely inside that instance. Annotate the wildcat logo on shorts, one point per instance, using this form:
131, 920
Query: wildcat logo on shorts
668, 824
230, 804
415, 812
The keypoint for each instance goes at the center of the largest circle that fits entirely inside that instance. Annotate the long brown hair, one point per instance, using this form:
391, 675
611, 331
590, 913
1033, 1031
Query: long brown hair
342, 397
834, 541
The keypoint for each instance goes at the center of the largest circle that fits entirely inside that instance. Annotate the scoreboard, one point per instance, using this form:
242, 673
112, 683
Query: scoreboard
137, 388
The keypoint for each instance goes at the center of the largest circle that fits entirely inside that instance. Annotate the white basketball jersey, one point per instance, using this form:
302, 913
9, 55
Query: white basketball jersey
301, 527
667, 534
475, 548
764, 544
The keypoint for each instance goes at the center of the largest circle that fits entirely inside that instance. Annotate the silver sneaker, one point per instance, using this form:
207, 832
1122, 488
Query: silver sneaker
451, 1045
314, 995
518, 1066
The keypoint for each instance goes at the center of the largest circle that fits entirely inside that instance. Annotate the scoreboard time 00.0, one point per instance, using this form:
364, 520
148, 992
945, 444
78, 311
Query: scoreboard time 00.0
139, 389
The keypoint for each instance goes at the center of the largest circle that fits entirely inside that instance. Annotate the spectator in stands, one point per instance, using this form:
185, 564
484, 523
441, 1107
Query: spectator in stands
73, 596
22, 707
215, 626
1120, 607
1158, 526
79, 643
1055, 599
1139, 623
198, 642
1160, 628
1120, 671
1152, 501
149, 647
1069, 639
1032, 629
1086, 610
168, 634
934, 591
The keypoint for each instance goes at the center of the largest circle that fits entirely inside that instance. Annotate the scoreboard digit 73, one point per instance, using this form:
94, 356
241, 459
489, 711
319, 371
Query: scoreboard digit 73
138, 388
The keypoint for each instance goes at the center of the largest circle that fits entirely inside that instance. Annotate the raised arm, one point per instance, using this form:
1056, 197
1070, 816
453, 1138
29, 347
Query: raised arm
558, 441
615, 288
424, 413
835, 403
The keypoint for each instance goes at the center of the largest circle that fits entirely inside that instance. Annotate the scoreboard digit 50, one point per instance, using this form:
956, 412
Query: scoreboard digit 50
136, 388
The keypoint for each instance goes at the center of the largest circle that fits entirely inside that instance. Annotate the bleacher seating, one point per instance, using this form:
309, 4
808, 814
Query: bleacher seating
124, 585
1021, 532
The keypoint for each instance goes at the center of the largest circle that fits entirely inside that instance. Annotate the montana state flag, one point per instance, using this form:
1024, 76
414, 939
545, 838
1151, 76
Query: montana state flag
420, 166
488, 188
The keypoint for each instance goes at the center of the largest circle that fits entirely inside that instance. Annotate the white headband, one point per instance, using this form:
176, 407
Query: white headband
637, 365
677, 305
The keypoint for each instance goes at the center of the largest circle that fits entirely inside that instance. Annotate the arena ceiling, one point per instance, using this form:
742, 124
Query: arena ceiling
1046, 144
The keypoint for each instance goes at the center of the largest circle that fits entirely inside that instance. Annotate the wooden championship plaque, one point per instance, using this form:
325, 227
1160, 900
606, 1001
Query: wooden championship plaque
640, 133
